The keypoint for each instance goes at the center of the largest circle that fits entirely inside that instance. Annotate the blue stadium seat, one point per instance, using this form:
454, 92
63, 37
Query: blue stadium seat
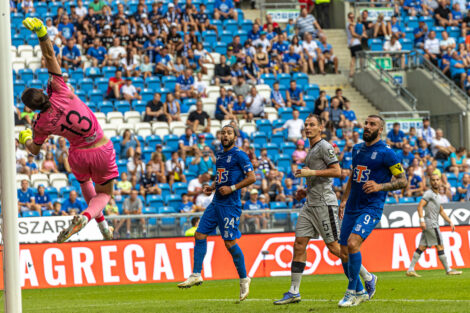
209, 36
153, 82
438, 30
93, 72
218, 24
167, 220
150, 210
86, 84
406, 200
139, 106
179, 188
375, 44
155, 201
102, 84
173, 201
171, 141
35, 83
166, 151
138, 82
190, 175
278, 138
132, 6
269, 79
95, 95
279, 217
54, 6
243, 35
122, 165
259, 138
65, 191
220, 47
453, 31
284, 79
17, 40
163, 92
169, 82
288, 148
409, 33
230, 26
247, 25
209, 138
309, 103
40, 8
429, 20
109, 71
147, 153
406, 44
411, 22
301, 79
52, 192
122, 106
304, 112
452, 179
18, 86
284, 160
272, 149
42, 74
165, 190
30, 214
390, 200
313, 90
147, 94
153, 140
264, 126
77, 74
105, 106
16, 18
285, 113
47, 212
26, 74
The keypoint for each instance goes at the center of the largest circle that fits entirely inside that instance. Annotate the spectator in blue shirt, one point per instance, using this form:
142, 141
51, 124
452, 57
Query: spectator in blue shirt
188, 142
205, 160
97, 53
415, 186
277, 97
457, 69
463, 187
328, 53
42, 200
258, 220
224, 9
412, 6
31, 165
292, 61
261, 184
346, 155
186, 206
406, 156
25, 197
224, 106
194, 62
73, 205
65, 28
300, 199
163, 64
420, 34
412, 138
296, 181
289, 190
396, 137
395, 27
294, 95
457, 162
350, 115
239, 107
254, 33
71, 56
185, 85
280, 46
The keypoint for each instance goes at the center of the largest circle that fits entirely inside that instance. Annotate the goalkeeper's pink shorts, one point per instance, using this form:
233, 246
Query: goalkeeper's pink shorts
99, 163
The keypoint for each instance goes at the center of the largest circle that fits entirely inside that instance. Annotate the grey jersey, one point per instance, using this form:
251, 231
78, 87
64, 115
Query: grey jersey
431, 209
320, 190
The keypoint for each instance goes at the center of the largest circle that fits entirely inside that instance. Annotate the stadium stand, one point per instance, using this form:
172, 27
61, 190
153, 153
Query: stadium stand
172, 83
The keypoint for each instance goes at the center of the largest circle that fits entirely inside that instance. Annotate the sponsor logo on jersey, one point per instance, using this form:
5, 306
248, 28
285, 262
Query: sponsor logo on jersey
361, 174
374, 155
222, 175
229, 158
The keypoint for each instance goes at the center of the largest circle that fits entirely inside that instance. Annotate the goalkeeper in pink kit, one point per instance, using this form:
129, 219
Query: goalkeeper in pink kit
91, 154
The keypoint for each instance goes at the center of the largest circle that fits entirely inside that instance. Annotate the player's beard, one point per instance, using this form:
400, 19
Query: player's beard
229, 144
369, 137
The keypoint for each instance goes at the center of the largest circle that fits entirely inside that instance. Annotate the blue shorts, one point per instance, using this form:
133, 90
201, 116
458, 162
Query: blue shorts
361, 224
227, 218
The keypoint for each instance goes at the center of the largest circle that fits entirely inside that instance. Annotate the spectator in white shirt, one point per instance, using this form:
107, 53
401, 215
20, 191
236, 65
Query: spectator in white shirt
313, 53
129, 92
52, 32
426, 133
447, 42
255, 104
393, 45
80, 10
263, 41
174, 169
432, 48
441, 147
116, 52
294, 126
204, 199
195, 185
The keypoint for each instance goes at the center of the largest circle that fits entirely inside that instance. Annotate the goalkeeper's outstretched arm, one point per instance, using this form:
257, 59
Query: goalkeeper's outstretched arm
37, 26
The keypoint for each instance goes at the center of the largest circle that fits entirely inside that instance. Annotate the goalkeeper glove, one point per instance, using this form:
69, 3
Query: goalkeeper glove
35, 25
25, 135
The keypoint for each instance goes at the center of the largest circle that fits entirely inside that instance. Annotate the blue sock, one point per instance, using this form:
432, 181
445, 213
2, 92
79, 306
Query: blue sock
200, 249
354, 266
345, 268
238, 260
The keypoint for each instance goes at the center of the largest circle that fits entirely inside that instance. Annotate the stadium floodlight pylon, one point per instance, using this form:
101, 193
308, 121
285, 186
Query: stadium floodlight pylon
11, 249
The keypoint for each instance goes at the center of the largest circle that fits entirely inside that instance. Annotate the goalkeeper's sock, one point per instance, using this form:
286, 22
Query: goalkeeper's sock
443, 259
414, 260
96, 205
365, 274
296, 276
238, 260
88, 192
200, 249
354, 266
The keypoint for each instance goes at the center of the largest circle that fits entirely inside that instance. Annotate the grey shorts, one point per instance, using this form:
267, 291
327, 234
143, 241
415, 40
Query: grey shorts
431, 237
315, 221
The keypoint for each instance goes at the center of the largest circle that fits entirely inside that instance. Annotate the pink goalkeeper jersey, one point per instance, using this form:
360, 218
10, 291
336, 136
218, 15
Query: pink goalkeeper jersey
67, 116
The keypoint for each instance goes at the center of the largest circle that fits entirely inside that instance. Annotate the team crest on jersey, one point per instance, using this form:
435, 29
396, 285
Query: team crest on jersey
331, 153
358, 227
361, 174
222, 175
374, 155
229, 158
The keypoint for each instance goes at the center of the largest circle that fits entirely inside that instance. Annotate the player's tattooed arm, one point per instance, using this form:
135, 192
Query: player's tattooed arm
399, 182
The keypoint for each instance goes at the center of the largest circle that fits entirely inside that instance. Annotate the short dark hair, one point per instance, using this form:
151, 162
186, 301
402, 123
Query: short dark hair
338, 89
194, 221
35, 99
315, 116
396, 124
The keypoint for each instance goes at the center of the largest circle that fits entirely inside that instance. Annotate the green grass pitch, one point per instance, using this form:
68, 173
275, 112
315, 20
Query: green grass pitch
434, 292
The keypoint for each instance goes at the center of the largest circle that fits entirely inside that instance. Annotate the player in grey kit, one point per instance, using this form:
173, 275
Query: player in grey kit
431, 235
319, 214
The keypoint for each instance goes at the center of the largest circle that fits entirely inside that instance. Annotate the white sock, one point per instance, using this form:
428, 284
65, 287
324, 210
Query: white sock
295, 282
365, 274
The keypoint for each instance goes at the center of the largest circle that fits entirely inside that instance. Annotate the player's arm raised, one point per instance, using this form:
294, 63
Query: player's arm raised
37, 26
26, 138
446, 218
421, 205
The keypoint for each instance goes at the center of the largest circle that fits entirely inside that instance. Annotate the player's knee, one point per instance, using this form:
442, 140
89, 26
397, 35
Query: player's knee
353, 244
199, 236
230, 243
299, 247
